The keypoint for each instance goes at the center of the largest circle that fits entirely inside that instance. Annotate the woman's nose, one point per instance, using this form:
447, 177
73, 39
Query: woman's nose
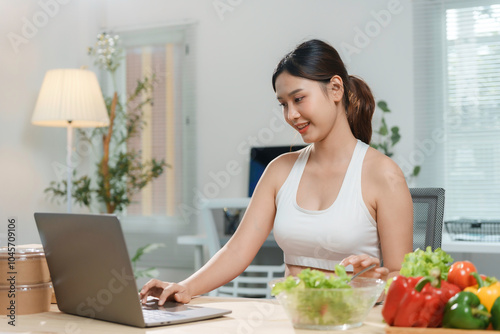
293, 113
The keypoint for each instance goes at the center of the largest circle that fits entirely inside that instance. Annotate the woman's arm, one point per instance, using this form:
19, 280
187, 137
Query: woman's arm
394, 209
235, 256
389, 201
232, 259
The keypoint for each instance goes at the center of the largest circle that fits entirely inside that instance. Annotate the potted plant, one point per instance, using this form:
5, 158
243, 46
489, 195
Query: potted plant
387, 137
120, 172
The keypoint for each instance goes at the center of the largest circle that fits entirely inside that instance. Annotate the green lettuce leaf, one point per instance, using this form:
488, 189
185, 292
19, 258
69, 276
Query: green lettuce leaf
311, 278
420, 263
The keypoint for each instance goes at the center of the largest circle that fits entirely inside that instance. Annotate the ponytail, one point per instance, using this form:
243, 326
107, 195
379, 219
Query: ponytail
360, 107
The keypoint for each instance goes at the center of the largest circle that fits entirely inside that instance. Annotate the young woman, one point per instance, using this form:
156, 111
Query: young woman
335, 201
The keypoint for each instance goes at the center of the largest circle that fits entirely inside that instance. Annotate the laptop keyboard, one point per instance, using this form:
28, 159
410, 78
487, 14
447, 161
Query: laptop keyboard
170, 310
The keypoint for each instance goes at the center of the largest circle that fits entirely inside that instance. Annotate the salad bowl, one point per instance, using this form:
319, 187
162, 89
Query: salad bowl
330, 308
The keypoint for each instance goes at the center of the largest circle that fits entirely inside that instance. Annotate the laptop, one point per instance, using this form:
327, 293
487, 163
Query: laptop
92, 274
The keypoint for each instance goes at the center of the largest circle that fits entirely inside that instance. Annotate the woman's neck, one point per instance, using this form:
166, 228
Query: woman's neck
338, 145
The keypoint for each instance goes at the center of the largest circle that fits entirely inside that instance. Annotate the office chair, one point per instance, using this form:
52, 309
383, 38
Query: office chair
253, 281
428, 212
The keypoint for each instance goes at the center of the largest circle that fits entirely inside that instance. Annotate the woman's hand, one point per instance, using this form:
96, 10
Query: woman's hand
359, 262
165, 290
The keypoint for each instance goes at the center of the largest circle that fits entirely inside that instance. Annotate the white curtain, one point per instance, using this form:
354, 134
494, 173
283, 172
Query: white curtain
169, 133
457, 103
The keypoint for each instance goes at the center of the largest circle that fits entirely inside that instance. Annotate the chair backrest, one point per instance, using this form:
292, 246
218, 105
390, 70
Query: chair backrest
428, 212
251, 283
213, 240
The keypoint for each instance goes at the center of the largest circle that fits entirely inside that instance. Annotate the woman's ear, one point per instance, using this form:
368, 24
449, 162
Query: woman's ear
336, 88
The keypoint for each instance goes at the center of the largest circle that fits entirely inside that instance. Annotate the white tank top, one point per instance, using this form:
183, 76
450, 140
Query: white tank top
321, 239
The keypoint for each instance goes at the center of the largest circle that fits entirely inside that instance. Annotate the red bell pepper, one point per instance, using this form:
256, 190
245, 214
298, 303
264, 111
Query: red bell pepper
441, 293
400, 286
415, 302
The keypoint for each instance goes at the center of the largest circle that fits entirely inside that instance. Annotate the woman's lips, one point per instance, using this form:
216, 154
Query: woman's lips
302, 127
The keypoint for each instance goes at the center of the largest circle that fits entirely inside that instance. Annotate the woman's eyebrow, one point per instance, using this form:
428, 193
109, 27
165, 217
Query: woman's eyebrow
292, 92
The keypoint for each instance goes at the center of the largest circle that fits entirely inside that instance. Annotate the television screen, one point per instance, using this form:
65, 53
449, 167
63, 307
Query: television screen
260, 157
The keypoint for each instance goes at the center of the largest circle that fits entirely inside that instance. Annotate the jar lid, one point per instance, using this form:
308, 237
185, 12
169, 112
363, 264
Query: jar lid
26, 250
27, 287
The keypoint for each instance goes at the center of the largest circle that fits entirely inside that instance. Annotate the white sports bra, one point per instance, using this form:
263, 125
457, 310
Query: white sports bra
321, 239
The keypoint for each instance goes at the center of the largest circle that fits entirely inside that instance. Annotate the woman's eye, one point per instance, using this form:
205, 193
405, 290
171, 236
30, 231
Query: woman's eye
298, 99
283, 105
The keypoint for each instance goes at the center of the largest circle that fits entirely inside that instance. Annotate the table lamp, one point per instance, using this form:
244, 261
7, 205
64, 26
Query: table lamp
70, 98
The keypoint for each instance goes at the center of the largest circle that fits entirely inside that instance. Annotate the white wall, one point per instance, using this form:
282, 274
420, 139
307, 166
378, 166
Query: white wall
237, 52
235, 59
238, 49
59, 39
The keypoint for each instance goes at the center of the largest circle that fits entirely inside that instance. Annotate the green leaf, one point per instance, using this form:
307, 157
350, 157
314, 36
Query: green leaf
489, 280
383, 106
384, 131
289, 283
340, 271
420, 262
395, 137
150, 272
388, 284
416, 171
311, 278
384, 148
146, 249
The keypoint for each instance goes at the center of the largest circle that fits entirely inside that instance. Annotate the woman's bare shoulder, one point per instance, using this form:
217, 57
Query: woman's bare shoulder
284, 162
381, 170
279, 168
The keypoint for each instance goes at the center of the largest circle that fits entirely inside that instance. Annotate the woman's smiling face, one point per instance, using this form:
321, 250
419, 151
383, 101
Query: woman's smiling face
307, 107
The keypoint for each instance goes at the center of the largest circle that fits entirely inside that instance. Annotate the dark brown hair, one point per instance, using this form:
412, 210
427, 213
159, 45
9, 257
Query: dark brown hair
319, 61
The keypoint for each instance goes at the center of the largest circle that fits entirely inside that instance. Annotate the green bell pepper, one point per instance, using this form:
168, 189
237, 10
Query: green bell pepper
465, 311
495, 315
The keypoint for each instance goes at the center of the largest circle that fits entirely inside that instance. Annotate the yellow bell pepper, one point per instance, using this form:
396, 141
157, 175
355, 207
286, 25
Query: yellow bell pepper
487, 294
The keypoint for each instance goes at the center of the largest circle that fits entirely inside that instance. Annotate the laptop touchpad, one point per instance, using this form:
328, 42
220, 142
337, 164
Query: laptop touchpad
168, 306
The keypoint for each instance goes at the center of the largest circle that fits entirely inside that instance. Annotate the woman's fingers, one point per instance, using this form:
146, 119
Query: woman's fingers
383, 271
359, 262
173, 291
182, 297
152, 288
164, 291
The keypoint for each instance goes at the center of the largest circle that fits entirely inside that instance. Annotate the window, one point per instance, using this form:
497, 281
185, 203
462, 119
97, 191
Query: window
169, 123
457, 103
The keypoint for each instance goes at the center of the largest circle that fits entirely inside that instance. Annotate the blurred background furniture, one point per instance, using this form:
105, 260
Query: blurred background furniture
428, 212
253, 281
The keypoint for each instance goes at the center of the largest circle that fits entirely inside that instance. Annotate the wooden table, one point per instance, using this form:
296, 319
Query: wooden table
249, 316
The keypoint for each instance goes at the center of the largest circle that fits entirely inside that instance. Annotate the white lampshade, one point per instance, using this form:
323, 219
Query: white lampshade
70, 95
